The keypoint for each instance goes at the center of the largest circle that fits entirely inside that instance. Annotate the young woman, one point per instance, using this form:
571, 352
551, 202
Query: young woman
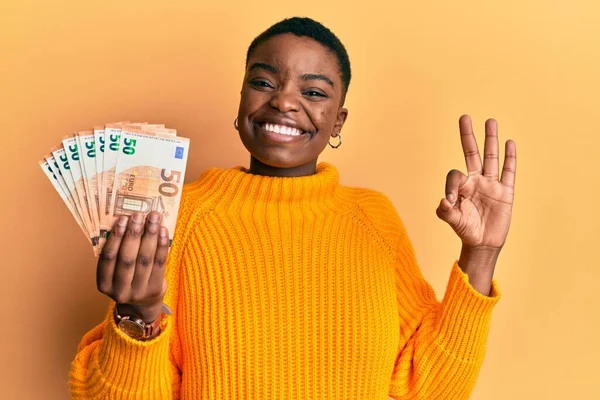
285, 284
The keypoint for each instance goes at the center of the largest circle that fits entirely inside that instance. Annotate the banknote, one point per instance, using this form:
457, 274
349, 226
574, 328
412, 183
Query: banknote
86, 144
112, 134
53, 167
99, 143
118, 169
151, 129
74, 158
55, 177
62, 161
149, 176
159, 130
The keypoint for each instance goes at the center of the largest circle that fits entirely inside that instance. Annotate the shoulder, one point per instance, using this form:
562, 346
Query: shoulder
194, 199
193, 205
378, 213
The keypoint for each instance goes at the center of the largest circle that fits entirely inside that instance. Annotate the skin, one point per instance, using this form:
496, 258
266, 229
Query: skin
478, 205
131, 266
292, 81
296, 82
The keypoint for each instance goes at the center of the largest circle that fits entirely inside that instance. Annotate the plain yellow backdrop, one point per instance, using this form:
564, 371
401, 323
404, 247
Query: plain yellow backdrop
417, 66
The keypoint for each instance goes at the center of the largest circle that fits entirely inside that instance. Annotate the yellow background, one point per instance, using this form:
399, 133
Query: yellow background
533, 65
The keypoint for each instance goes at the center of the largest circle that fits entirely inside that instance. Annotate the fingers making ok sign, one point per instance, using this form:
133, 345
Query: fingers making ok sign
478, 206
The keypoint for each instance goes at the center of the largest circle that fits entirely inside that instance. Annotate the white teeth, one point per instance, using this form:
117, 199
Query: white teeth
283, 130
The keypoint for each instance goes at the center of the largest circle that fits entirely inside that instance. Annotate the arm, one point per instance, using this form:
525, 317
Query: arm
111, 365
479, 265
442, 344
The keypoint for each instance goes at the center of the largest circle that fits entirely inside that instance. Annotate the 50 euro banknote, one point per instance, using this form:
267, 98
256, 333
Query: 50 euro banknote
145, 166
109, 153
50, 168
148, 176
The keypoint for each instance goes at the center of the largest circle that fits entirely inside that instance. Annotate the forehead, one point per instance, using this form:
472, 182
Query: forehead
297, 55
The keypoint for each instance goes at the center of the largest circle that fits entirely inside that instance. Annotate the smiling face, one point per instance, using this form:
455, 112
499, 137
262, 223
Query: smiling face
290, 104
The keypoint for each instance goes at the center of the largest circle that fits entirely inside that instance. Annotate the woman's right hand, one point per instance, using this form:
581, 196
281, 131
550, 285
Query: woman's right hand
131, 266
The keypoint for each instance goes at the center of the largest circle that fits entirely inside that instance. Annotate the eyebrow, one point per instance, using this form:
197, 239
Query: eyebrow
318, 77
267, 67
305, 77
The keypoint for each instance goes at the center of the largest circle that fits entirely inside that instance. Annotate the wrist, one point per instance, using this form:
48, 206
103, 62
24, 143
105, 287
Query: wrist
147, 313
484, 255
479, 264
132, 323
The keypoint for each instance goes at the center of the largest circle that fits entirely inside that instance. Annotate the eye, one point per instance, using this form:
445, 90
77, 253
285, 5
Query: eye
261, 83
314, 94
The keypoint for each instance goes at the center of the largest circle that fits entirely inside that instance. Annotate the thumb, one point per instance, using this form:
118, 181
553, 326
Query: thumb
448, 213
165, 286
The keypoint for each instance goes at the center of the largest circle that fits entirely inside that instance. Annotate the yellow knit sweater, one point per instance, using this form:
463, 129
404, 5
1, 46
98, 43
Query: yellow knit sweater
292, 288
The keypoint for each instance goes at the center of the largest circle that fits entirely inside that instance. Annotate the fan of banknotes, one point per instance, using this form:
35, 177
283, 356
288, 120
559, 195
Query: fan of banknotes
118, 169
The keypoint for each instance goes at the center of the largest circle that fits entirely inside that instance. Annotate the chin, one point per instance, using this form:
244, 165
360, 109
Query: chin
278, 159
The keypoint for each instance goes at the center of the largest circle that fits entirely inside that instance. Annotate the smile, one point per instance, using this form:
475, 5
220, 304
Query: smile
281, 129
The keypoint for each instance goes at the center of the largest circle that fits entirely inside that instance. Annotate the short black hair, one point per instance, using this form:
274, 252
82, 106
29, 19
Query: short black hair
302, 26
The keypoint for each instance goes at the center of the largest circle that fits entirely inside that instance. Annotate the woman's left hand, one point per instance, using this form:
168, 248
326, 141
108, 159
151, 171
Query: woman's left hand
478, 207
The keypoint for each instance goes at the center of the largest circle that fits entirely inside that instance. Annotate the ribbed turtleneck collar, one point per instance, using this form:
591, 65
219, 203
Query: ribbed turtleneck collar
239, 183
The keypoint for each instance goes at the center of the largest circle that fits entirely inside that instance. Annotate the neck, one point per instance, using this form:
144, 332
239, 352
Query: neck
259, 168
238, 187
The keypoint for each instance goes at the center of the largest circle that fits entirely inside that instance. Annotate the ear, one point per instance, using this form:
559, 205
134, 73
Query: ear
342, 115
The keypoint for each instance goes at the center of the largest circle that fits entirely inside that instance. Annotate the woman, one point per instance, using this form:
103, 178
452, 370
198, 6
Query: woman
285, 284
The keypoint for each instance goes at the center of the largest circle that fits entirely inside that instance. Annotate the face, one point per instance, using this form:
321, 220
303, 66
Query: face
290, 101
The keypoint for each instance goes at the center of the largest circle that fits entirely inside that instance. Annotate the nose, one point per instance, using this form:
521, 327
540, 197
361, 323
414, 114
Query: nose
284, 100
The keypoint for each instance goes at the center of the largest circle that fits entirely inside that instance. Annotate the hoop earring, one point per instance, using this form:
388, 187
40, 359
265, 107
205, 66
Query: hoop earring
339, 143
235, 123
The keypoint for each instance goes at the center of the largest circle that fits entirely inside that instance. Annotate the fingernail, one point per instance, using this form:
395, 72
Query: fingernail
153, 217
164, 240
138, 218
121, 225
450, 197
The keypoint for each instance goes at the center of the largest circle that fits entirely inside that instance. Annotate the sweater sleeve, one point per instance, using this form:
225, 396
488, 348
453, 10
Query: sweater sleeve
442, 345
111, 365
